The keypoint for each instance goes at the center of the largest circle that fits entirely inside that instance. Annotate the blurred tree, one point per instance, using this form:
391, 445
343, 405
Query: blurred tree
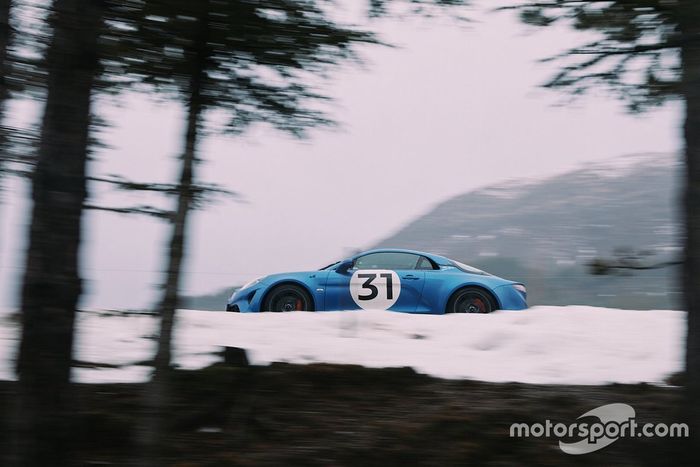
5, 37
256, 60
624, 260
22, 74
51, 284
252, 59
646, 52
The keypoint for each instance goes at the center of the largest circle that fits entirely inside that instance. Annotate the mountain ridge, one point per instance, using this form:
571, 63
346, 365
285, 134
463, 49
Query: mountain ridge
557, 225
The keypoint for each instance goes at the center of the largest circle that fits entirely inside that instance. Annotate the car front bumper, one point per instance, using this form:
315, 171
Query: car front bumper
246, 300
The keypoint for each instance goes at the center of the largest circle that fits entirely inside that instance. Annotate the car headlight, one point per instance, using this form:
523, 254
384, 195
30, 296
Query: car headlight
251, 283
520, 288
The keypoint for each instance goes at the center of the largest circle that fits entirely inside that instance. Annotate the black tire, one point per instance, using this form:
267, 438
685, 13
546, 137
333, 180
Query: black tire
471, 300
287, 297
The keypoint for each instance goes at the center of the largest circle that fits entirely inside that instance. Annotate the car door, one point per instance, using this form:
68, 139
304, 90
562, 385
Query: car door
377, 281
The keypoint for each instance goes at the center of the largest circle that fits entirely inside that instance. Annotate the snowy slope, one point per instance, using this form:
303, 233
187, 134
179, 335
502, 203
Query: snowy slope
550, 345
628, 201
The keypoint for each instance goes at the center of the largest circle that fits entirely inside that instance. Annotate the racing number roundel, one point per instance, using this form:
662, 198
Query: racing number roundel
375, 289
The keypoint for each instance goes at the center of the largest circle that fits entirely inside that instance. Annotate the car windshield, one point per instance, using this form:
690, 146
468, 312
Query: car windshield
469, 269
329, 266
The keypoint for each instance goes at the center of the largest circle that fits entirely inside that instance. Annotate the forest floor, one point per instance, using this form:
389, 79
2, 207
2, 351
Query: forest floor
332, 415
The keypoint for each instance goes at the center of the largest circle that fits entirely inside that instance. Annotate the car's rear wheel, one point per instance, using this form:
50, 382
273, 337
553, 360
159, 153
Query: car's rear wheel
471, 300
286, 298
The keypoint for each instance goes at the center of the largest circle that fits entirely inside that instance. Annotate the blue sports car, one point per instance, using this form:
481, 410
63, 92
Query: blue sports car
387, 279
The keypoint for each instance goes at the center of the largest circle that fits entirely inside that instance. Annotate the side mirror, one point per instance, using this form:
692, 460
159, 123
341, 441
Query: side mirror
344, 266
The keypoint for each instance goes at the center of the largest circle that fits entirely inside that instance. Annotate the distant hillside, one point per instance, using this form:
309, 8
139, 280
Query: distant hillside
544, 232
215, 301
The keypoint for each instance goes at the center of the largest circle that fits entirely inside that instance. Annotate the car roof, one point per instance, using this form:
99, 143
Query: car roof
437, 258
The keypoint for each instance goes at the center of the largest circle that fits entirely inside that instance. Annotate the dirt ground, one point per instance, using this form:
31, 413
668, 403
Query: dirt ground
335, 415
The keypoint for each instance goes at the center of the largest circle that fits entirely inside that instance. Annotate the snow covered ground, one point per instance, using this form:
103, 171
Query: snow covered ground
550, 345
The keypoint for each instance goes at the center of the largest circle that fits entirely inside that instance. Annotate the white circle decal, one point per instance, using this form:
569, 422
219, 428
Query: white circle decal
375, 289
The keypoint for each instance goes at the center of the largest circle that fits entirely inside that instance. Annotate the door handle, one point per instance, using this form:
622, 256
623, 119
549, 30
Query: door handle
411, 277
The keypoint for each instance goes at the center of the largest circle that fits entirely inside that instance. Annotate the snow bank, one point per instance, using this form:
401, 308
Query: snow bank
549, 345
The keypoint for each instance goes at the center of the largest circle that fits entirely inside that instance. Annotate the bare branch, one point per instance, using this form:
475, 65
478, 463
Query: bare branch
638, 49
145, 210
603, 267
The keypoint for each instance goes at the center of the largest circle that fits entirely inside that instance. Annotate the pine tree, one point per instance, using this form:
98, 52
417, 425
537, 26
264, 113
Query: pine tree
647, 53
207, 54
51, 284
253, 59
5, 37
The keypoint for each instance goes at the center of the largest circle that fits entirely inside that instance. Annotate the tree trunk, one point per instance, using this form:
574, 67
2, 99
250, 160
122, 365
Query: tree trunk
690, 56
176, 250
52, 285
158, 391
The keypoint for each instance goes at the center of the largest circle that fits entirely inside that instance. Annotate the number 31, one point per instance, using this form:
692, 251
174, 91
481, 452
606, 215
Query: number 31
373, 290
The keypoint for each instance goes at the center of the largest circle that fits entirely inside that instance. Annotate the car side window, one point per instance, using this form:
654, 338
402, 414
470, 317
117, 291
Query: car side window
388, 260
425, 264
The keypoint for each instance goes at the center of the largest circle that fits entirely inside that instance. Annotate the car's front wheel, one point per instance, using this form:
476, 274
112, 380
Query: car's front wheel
471, 300
287, 297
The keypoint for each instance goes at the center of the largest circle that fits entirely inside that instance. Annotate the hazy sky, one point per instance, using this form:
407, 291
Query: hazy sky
452, 109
